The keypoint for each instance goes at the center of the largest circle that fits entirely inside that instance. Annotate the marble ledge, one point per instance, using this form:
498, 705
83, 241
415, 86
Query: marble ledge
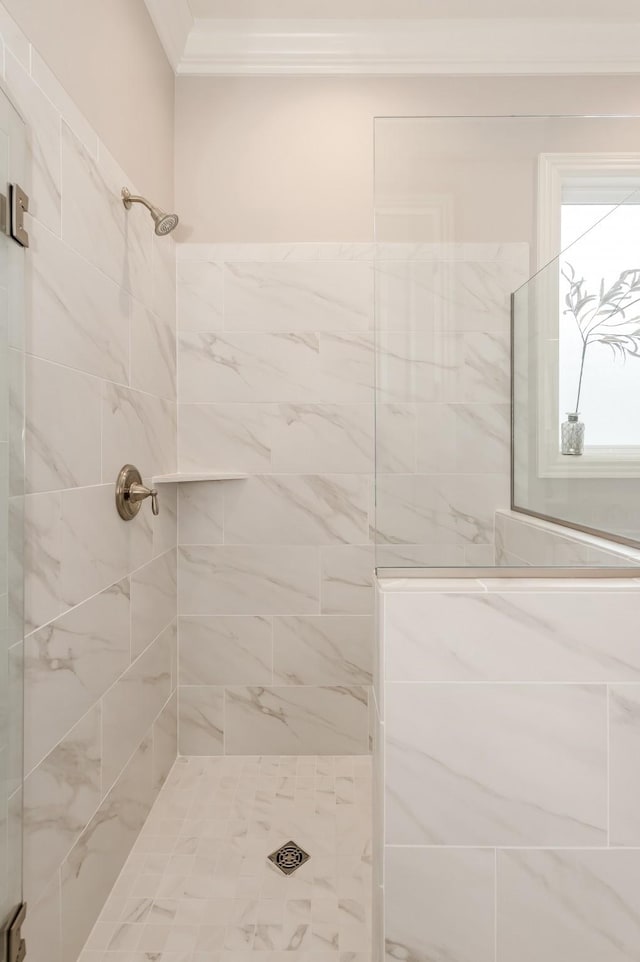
624, 579
202, 476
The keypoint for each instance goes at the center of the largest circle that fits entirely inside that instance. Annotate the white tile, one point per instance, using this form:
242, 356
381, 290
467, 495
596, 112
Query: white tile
529, 636
153, 352
563, 906
200, 295
624, 742
42, 554
303, 509
239, 580
347, 579
496, 764
200, 720
62, 427
278, 720
463, 438
322, 650
138, 429
439, 901
201, 512
227, 437
153, 600
70, 664
298, 296
225, 651
323, 438
53, 89
165, 741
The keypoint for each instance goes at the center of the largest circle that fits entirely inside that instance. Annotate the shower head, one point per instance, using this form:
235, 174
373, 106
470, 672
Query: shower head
164, 222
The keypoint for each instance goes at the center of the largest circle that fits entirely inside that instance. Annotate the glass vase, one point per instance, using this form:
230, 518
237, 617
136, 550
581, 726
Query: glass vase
572, 433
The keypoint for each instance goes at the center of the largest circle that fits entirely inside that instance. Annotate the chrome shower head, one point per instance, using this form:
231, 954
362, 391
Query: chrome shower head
164, 222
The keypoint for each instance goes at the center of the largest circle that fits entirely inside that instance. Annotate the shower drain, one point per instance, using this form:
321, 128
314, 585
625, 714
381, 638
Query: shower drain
289, 857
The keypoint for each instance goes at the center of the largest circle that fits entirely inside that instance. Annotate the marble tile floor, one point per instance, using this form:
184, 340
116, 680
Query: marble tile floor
198, 885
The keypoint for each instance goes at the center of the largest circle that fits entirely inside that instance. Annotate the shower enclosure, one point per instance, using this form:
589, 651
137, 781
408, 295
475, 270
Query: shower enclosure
13, 164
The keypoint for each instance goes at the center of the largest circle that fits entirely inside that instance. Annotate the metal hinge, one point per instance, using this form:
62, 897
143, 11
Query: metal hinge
13, 207
16, 945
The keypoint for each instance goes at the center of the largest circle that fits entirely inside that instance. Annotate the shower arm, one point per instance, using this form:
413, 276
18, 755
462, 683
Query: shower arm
128, 199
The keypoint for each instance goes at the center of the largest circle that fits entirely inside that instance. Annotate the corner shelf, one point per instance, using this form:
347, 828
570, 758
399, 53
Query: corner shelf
199, 476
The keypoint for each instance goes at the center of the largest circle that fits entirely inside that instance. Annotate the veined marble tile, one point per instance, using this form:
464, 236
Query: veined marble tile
422, 509
44, 77
132, 704
568, 905
347, 579
14, 38
164, 527
200, 293
94, 862
137, 429
201, 512
60, 796
79, 317
165, 741
163, 261
347, 364
226, 651
297, 509
153, 352
278, 721
405, 297
244, 580
323, 650
463, 438
496, 764
473, 366
321, 296
121, 247
56, 398
624, 778
95, 550
439, 903
201, 720
419, 555
268, 253
70, 664
323, 438
534, 636
44, 142
42, 547
395, 438
153, 600
231, 437
42, 924
410, 367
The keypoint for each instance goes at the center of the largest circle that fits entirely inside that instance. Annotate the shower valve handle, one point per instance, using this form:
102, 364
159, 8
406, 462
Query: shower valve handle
138, 492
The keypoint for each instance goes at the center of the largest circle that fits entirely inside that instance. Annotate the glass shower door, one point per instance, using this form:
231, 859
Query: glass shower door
12, 266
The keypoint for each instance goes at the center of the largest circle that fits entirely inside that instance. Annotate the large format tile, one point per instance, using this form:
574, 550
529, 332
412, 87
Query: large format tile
322, 650
94, 862
139, 429
496, 764
347, 579
42, 547
83, 324
200, 296
323, 438
153, 600
463, 438
297, 509
153, 352
165, 741
278, 721
201, 720
239, 580
132, 704
298, 296
536, 636
70, 663
439, 904
624, 774
201, 512
568, 906
60, 796
225, 437
225, 651
56, 457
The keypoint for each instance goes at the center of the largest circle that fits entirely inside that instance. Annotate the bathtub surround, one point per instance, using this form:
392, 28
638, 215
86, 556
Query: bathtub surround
100, 595
505, 800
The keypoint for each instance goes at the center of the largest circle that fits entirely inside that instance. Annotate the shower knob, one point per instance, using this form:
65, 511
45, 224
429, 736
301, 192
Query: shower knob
131, 492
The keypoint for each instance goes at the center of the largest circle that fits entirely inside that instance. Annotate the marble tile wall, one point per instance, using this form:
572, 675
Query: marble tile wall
100, 595
508, 733
522, 540
276, 372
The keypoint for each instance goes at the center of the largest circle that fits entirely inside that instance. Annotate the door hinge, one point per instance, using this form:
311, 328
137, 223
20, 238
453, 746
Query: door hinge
16, 945
18, 207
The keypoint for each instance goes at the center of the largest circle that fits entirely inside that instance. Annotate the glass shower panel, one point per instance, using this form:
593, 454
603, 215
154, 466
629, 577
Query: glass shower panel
576, 379
466, 209
12, 169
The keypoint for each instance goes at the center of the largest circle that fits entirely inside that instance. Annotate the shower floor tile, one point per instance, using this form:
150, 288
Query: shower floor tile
199, 887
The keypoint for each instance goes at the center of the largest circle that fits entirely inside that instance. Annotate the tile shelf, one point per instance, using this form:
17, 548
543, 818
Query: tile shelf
199, 476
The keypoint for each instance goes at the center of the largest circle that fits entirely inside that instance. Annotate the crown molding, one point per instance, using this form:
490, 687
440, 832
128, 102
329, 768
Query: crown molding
247, 47
174, 22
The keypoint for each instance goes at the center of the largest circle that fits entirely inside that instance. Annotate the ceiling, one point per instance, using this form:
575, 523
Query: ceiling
416, 9
398, 37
